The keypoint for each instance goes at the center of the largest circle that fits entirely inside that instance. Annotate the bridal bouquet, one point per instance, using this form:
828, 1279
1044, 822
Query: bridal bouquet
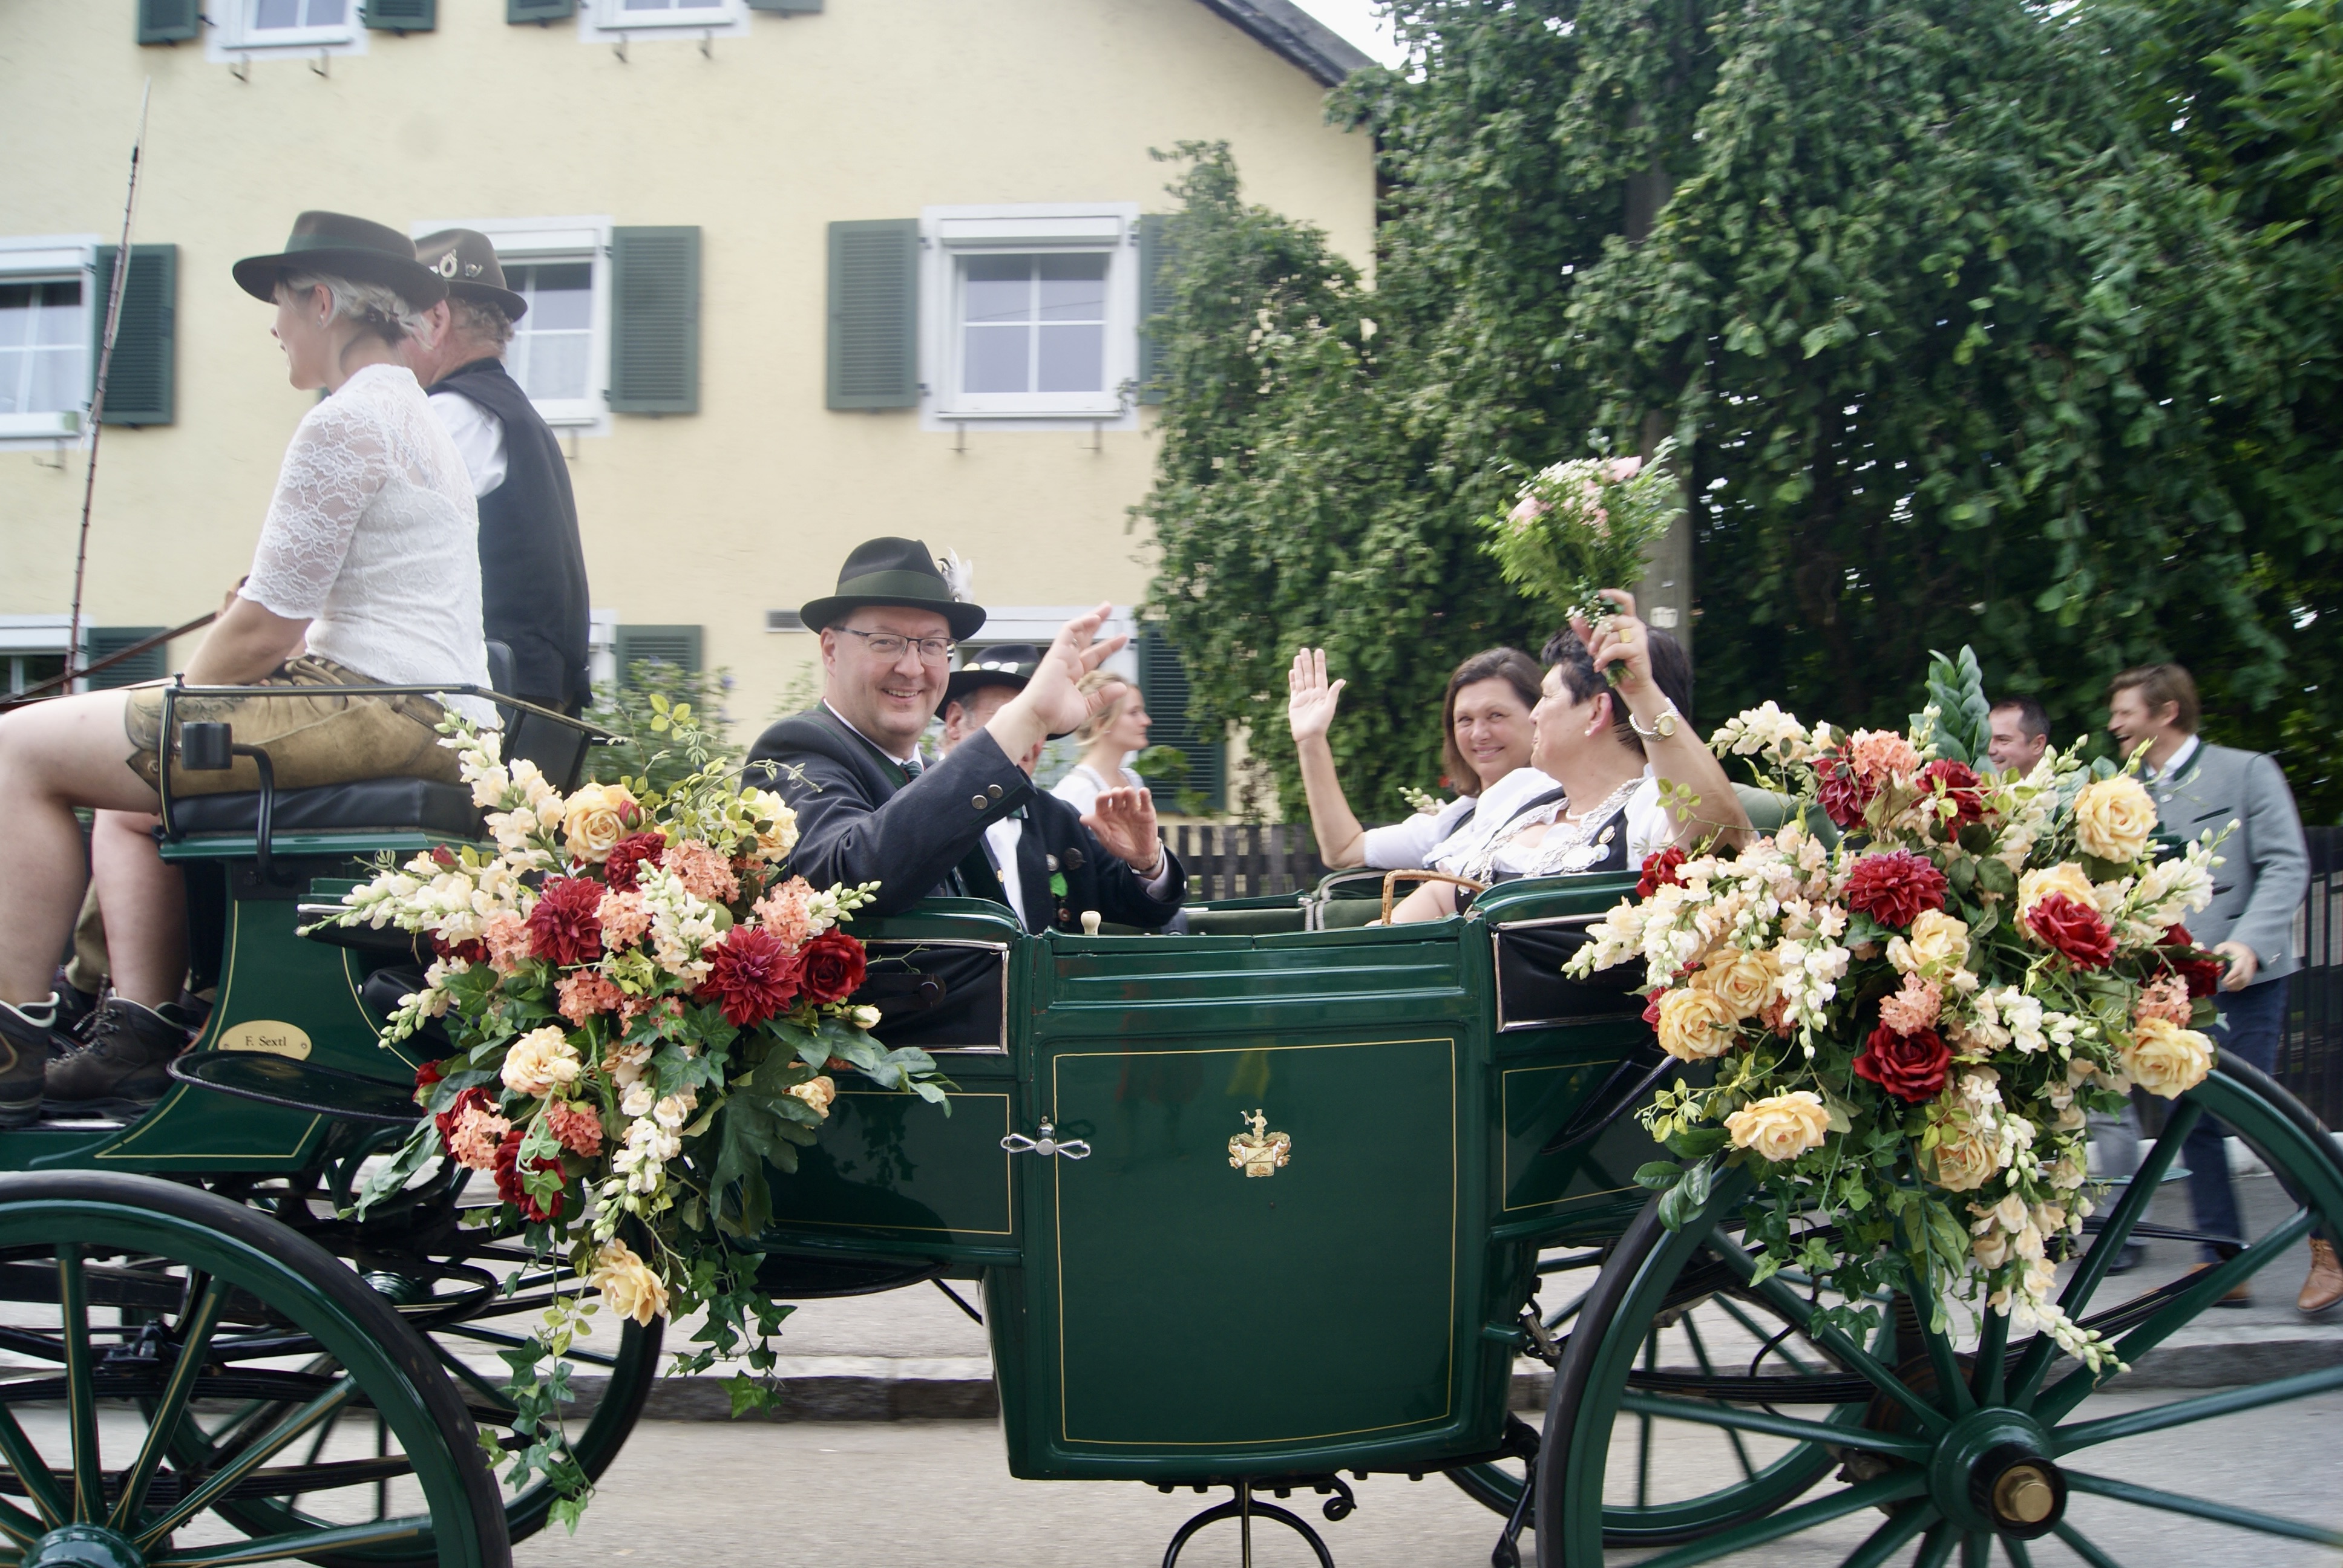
637, 1010
1907, 1028
1579, 526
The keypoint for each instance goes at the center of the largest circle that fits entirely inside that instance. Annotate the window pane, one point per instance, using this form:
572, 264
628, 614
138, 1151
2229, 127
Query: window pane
1073, 287
555, 365
999, 289
328, 13
58, 320
58, 381
1073, 359
560, 295
647, 4
997, 359
269, 14
16, 313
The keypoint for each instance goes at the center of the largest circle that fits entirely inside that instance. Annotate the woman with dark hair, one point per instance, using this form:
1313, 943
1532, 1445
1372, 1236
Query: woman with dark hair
1484, 723
1626, 759
366, 571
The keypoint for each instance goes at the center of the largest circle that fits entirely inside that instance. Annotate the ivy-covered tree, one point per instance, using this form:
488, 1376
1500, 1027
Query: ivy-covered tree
1960, 345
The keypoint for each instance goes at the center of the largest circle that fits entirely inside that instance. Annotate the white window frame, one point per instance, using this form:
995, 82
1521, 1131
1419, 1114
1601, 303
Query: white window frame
520, 240
608, 21
42, 258
949, 233
33, 636
233, 36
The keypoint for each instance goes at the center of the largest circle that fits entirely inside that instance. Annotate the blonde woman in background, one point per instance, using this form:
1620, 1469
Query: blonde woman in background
1117, 733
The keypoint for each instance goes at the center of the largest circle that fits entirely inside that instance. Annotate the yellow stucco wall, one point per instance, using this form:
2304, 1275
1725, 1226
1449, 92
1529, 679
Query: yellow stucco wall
872, 110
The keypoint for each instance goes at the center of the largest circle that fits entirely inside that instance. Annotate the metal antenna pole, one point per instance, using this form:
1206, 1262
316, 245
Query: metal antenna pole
97, 390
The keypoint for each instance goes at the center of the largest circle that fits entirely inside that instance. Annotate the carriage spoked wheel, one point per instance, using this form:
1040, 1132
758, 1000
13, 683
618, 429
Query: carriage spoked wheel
1712, 1337
1971, 1447
144, 1317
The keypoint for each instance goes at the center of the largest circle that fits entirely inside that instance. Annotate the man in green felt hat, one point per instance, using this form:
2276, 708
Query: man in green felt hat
867, 809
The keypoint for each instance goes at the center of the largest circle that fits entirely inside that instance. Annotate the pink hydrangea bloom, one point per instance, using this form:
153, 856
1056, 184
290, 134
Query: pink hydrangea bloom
704, 873
1880, 755
625, 918
477, 1135
2166, 997
588, 993
577, 1126
1914, 1008
786, 913
506, 935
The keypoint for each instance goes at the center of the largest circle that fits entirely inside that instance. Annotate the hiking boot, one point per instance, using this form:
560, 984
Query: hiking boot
2323, 1288
2238, 1295
121, 1070
29, 1035
75, 1008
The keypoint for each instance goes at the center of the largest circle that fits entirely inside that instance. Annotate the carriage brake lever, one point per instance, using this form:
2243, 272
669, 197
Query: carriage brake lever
1047, 1144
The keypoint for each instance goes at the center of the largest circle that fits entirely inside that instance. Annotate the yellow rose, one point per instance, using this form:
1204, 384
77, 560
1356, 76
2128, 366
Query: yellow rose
2066, 878
1939, 943
1780, 1127
1742, 981
628, 1283
540, 1061
817, 1092
1695, 1025
779, 836
2164, 1059
2113, 818
596, 818
1968, 1158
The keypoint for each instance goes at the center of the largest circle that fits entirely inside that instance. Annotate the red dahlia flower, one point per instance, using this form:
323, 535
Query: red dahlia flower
753, 976
1895, 889
1961, 787
1660, 871
2068, 927
1845, 794
628, 854
426, 1075
564, 929
1911, 1066
472, 952
833, 966
2203, 975
509, 1179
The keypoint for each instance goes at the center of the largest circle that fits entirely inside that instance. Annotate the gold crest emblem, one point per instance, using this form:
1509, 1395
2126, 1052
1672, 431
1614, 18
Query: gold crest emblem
1260, 1151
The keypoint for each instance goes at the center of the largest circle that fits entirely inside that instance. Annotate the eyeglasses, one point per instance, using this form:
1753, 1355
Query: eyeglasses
890, 646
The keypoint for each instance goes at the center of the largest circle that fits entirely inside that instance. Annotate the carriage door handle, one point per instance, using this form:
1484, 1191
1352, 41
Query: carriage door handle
1047, 1143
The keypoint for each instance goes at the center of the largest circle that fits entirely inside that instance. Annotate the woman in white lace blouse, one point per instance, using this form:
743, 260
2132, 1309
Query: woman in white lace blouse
366, 570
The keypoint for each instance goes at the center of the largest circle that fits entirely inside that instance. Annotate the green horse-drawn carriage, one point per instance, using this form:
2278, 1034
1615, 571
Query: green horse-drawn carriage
1288, 1199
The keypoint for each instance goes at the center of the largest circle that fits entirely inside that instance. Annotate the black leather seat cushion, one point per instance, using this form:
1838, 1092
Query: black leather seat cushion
368, 805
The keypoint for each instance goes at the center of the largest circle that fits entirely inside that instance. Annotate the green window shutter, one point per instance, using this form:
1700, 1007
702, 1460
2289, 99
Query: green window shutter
139, 379
675, 645
655, 320
110, 640
1163, 682
1156, 298
401, 15
874, 314
169, 21
788, 7
540, 11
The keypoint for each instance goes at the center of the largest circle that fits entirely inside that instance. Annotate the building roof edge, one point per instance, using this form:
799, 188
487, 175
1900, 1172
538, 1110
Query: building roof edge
1296, 34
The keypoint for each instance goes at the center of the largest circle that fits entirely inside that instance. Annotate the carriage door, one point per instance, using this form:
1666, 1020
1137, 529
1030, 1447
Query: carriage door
1258, 1258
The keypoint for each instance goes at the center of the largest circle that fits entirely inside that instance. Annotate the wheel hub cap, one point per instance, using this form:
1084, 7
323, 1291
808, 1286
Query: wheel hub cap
1992, 1471
82, 1546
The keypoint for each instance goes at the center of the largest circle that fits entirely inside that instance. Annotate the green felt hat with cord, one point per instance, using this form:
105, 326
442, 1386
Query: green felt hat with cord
891, 571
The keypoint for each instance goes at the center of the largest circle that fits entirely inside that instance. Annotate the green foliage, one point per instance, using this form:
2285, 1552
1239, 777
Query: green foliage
1963, 341
1163, 767
634, 710
1964, 723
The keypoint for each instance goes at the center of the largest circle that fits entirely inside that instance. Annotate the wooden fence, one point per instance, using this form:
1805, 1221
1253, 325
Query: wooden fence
1246, 860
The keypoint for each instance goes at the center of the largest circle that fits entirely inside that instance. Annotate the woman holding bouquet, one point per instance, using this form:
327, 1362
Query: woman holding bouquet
1612, 748
366, 570
1485, 722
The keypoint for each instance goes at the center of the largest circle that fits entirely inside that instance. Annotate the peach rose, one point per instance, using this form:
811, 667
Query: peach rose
1780, 1127
628, 1283
777, 833
1938, 942
1968, 1158
596, 818
817, 1092
540, 1061
2164, 1059
1743, 981
2113, 818
1695, 1025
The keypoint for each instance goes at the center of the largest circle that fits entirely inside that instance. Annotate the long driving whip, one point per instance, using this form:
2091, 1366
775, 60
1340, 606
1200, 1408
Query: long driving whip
98, 389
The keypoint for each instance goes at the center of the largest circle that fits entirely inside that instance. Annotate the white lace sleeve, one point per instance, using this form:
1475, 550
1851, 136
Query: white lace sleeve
337, 460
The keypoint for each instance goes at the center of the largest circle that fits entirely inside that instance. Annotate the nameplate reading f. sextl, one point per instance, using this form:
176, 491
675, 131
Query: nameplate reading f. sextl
269, 1037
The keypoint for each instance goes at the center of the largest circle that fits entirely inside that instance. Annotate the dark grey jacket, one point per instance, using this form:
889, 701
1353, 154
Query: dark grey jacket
1055, 842
2264, 867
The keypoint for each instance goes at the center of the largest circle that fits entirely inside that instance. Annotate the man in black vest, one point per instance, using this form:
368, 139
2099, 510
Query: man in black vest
533, 596
869, 809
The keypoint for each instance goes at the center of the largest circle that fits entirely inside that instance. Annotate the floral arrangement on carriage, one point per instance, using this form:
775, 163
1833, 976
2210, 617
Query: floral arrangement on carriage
1907, 1026
640, 1008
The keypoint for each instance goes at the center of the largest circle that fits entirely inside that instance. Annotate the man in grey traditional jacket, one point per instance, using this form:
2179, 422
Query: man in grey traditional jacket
2263, 872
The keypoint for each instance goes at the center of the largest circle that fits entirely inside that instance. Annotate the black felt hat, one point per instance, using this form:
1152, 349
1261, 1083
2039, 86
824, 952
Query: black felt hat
335, 245
891, 571
467, 261
1011, 664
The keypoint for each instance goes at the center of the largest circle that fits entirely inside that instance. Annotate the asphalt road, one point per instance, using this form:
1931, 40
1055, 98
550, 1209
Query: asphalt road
938, 1494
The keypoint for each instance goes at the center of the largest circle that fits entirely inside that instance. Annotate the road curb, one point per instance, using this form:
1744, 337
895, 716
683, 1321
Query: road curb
883, 1388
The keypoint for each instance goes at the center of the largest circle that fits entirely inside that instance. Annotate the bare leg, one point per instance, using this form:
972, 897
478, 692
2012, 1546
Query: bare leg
53, 755
145, 904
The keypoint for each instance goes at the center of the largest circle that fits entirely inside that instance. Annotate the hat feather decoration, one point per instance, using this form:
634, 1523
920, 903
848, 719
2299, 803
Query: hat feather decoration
960, 575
